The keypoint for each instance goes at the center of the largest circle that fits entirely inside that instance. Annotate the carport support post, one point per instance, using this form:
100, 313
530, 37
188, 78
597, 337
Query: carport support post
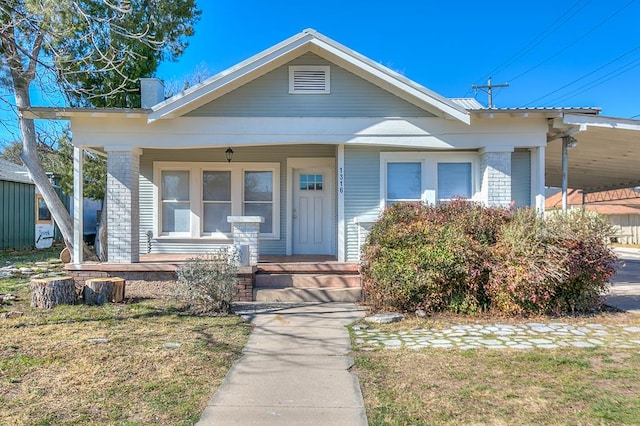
565, 170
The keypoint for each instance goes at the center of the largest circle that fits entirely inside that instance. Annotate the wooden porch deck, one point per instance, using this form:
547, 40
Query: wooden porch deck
266, 264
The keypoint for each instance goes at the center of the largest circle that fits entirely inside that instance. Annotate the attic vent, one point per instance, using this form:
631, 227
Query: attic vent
309, 79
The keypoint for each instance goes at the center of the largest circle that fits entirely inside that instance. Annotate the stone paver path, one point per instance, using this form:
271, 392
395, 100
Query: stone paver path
499, 336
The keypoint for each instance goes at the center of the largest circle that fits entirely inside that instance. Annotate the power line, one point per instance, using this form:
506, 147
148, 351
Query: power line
584, 76
554, 26
574, 42
613, 74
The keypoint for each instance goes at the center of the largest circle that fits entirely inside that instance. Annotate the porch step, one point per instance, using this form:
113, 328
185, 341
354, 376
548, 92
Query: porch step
292, 294
308, 282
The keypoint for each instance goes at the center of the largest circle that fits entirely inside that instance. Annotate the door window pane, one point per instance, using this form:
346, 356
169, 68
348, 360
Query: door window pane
311, 182
454, 180
404, 182
258, 186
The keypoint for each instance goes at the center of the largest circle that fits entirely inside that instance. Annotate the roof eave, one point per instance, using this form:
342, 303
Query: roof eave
57, 113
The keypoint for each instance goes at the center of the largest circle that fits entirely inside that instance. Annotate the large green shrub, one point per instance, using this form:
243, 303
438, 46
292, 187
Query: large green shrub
463, 257
430, 257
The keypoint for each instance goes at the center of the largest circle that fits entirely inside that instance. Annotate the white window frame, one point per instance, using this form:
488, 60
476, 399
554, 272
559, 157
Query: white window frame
327, 79
429, 167
196, 199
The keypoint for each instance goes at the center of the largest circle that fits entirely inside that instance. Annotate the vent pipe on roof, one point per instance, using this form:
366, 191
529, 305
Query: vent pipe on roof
151, 92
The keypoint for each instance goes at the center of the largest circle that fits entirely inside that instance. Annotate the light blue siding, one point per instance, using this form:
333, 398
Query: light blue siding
361, 191
269, 154
521, 177
268, 96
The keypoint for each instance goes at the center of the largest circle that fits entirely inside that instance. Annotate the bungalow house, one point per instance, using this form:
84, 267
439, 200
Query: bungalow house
296, 151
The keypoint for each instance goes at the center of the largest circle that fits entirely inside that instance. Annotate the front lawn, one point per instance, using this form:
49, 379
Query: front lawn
566, 385
141, 362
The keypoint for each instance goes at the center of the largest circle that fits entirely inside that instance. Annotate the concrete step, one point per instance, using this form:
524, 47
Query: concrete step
293, 294
279, 280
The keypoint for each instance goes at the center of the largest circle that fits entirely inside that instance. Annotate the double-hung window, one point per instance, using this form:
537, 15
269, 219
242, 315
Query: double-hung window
427, 177
176, 203
195, 199
216, 191
258, 197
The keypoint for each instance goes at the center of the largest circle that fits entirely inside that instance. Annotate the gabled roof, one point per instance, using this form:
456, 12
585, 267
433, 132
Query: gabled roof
13, 172
307, 41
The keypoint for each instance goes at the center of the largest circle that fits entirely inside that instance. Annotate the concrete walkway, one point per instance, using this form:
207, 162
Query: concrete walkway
294, 369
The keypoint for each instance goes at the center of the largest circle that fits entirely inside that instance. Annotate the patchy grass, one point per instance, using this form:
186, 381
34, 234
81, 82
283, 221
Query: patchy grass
28, 257
51, 372
485, 386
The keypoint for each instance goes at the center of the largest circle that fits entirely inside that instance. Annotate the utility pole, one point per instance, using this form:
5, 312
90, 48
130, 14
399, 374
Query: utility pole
489, 89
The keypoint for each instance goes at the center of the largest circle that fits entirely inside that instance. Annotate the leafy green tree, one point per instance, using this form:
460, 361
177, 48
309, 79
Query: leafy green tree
92, 51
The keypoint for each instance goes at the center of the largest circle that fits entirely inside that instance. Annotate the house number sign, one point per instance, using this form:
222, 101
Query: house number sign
341, 180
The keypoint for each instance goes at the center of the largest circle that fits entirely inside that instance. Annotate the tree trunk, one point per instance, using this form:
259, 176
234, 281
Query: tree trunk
29, 156
49, 292
102, 290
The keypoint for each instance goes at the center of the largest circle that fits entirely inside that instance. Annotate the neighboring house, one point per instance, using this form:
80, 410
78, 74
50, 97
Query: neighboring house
622, 208
17, 207
25, 220
304, 143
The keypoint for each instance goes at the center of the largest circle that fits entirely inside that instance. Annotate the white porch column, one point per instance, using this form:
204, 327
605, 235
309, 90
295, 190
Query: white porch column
495, 166
537, 178
123, 205
246, 232
341, 225
78, 201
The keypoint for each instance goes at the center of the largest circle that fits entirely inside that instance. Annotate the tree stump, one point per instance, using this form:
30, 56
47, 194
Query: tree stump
118, 289
101, 290
49, 292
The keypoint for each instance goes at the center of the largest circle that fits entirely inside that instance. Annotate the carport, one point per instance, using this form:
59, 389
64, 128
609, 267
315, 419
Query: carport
592, 153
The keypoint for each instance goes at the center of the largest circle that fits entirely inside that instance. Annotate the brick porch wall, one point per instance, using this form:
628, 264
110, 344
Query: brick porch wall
496, 178
158, 283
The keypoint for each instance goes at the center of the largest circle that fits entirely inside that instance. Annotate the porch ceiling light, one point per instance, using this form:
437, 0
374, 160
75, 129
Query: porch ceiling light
229, 154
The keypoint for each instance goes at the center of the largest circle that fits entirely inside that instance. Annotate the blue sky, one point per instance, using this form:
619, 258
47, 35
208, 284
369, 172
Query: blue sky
537, 47
552, 53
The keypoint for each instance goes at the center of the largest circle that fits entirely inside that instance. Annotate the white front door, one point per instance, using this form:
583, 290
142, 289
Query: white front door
313, 222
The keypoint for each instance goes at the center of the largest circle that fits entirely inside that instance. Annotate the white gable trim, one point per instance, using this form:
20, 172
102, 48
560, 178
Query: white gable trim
280, 54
